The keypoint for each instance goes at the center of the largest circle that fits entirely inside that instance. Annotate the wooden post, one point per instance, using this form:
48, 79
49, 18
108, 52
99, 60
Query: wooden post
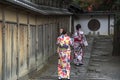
3, 47
28, 42
17, 58
36, 34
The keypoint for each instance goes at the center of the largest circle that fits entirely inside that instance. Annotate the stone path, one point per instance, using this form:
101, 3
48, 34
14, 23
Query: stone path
98, 63
50, 71
102, 66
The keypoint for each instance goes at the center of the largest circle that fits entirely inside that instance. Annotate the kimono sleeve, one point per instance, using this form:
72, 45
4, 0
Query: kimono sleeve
58, 40
85, 41
71, 41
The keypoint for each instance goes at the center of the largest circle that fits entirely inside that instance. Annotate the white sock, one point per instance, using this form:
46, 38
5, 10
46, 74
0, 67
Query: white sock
59, 77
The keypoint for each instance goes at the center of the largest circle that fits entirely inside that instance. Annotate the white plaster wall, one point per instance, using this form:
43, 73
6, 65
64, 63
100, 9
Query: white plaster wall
83, 20
111, 25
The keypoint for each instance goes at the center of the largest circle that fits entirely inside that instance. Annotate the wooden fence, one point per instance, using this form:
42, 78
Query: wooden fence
25, 48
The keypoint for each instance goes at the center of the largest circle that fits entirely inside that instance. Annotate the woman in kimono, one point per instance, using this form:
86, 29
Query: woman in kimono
79, 39
64, 52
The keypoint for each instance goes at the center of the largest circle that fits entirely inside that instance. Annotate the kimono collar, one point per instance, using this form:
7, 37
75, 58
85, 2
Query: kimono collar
63, 36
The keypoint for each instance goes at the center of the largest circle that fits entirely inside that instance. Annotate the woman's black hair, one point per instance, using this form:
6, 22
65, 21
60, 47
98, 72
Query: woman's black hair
64, 31
78, 26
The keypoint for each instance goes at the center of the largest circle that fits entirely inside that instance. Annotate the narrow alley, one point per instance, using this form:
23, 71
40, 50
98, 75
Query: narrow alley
98, 63
29, 31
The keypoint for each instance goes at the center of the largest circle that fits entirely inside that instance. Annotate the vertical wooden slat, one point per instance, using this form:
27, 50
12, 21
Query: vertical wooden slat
28, 40
37, 49
40, 54
8, 51
22, 40
25, 45
53, 37
32, 47
44, 35
17, 47
0, 51
3, 47
46, 41
14, 51
21, 36
44, 44
33, 42
50, 40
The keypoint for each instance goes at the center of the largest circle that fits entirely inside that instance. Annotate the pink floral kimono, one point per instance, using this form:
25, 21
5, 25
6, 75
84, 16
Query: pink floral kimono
64, 52
78, 47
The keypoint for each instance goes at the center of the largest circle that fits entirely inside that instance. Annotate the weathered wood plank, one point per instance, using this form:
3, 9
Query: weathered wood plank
10, 15
0, 51
22, 43
40, 52
32, 46
8, 51
14, 51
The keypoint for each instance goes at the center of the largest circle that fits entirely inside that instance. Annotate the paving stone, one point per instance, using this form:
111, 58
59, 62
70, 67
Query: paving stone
94, 55
93, 64
73, 73
91, 69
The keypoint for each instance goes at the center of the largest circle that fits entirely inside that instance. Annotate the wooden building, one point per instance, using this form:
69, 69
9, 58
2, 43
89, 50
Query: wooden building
28, 32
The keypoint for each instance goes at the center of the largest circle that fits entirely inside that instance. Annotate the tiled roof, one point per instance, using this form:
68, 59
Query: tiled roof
45, 10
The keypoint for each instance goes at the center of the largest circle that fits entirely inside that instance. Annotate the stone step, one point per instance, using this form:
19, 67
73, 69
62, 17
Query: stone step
95, 79
94, 75
94, 69
94, 64
45, 78
99, 60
